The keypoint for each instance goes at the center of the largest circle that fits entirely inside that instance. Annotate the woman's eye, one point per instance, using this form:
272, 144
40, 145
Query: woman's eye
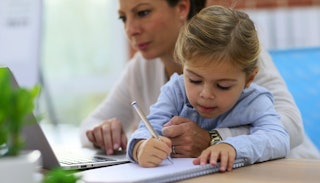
123, 18
223, 87
195, 81
143, 13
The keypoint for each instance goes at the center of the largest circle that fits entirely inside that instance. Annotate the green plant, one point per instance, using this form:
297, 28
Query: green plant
61, 176
16, 104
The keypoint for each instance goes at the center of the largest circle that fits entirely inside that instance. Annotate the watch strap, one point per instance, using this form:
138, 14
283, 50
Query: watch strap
215, 137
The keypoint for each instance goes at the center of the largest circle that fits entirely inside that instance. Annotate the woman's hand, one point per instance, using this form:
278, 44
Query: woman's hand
223, 152
151, 152
188, 139
108, 136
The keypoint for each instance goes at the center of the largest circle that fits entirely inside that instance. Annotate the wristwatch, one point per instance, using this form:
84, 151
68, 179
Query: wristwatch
215, 137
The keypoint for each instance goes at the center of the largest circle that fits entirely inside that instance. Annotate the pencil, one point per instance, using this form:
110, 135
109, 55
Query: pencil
147, 123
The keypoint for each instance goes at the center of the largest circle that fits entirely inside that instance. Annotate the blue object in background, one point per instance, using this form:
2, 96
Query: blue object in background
300, 68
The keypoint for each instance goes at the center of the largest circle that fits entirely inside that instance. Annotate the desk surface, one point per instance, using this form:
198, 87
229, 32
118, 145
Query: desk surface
283, 170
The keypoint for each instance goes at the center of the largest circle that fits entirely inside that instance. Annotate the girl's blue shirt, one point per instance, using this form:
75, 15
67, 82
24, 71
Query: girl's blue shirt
267, 140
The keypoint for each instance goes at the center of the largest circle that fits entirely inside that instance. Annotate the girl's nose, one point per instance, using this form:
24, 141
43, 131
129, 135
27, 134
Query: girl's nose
207, 92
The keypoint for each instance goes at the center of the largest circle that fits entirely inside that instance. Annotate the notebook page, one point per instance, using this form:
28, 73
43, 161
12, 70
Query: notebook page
182, 168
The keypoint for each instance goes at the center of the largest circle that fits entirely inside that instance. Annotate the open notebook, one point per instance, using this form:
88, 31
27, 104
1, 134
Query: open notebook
81, 158
182, 168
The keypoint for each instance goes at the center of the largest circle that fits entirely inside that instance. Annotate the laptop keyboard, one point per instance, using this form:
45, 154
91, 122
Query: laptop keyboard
78, 159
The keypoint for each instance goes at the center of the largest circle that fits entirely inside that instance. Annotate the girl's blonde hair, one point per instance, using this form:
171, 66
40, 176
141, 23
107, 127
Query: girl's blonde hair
219, 34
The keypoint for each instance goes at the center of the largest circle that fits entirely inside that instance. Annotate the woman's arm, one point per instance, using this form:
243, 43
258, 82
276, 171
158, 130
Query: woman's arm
270, 78
140, 81
114, 106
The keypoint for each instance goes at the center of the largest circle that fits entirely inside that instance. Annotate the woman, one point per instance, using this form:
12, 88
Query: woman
152, 27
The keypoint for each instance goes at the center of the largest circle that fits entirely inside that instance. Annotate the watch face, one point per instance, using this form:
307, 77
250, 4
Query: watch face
215, 137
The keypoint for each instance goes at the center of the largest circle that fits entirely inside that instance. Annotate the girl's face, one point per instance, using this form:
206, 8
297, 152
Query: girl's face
152, 26
214, 89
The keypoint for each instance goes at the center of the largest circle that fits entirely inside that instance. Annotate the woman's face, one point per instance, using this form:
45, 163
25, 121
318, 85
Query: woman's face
152, 26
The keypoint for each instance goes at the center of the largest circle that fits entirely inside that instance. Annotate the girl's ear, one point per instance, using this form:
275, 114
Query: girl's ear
251, 77
183, 8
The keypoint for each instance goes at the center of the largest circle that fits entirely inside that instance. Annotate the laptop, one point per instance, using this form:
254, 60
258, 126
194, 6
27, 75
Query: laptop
70, 159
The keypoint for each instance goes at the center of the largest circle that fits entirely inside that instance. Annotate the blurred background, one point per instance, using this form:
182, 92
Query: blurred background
76, 48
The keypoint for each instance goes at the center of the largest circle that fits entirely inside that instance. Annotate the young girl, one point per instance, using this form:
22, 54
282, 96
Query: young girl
218, 49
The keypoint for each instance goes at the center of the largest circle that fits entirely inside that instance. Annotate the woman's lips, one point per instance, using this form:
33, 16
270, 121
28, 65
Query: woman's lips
143, 46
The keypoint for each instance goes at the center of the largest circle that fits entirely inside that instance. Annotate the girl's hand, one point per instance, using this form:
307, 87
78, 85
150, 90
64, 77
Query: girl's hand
223, 152
151, 152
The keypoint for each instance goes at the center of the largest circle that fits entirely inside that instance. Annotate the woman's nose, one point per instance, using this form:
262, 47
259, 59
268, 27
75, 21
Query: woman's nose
132, 27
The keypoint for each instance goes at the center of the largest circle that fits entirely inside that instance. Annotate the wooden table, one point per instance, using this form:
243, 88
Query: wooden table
282, 170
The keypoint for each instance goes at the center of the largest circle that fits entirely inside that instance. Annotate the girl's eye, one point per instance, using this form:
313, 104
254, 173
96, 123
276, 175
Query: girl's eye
223, 87
195, 81
143, 13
